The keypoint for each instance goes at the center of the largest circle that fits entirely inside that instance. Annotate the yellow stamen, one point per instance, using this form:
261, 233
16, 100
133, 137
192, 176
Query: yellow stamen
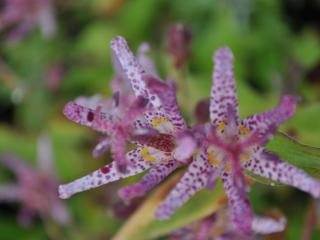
145, 155
213, 161
227, 167
157, 121
243, 130
245, 159
221, 125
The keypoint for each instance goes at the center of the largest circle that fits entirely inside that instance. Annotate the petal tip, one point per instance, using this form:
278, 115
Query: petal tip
69, 109
288, 104
63, 193
223, 54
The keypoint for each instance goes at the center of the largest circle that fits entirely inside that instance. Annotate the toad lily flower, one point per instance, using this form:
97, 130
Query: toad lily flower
22, 15
234, 145
36, 189
161, 135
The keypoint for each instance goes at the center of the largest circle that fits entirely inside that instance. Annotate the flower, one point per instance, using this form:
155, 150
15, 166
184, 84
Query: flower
22, 15
123, 96
233, 145
218, 226
153, 122
36, 189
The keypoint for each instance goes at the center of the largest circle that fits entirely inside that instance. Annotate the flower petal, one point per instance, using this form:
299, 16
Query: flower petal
101, 147
270, 166
270, 120
132, 69
149, 180
94, 119
166, 92
264, 225
145, 61
104, 175
185, 148
241, 213
191, 182
223, 91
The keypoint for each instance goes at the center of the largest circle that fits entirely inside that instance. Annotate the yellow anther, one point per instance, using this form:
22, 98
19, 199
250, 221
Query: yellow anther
245, 159
149, 158
221, 125
227, 167
243, 130
144, 152
213, 161
145, 155
157, 121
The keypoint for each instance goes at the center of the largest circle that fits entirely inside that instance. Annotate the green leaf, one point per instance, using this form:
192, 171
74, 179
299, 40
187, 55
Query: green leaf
301, 155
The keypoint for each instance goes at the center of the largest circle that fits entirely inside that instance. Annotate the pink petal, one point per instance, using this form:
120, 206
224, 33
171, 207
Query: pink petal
132, 69
241, 213
145, 61
104, 175
167, 94
223, 91
185, 148
101, 147
270, 166
264, 225
88, 117
149, 181
270, 120
192, 181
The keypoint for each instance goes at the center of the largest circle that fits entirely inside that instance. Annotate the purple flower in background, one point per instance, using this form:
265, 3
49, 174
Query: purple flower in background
151, 120
20, 16
36, 189
233, 145
218, 227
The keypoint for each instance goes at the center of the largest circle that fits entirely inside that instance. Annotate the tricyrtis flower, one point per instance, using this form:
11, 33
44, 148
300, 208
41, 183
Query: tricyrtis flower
233, 145
36, 189
153, 122
217, 226
20, 16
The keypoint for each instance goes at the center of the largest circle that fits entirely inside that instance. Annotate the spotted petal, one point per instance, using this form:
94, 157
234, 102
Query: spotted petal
223, 91
105, 175
132, 69
241, 213
149, 180
95, 119
192, 181
166, 92
270, 120
270, 166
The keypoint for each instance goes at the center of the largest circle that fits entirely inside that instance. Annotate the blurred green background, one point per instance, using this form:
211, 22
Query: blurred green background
277, 50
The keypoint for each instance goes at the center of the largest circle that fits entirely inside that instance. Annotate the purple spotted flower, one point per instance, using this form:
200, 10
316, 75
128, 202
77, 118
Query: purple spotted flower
36, 189
217, 226
20, 16
233, 145
151, 120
